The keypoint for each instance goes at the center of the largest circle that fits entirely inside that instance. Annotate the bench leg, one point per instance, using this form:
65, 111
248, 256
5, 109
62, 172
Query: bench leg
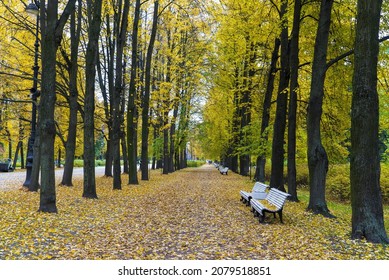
262, 218
280, 214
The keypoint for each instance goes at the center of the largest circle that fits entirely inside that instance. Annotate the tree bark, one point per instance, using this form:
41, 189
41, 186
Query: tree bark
146, 98
107, 88
245, 105
230, 160
121, 34
366, 200
261, 159
18, 146
21, 136
317, 156
94, 15
73, 98
123, 141
52, 29
292, 112
166, 108
35, 171
277, 167
173, 148
132, 112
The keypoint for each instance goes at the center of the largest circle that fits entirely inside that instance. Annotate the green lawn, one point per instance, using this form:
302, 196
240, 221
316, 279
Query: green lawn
340, 208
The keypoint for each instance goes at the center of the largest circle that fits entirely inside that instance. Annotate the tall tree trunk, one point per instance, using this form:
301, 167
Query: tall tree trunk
36, 164
231, 158
132, 112
108, 135
94, 15
249, 73
52, 29
18, 146
47, 104
166, 109
155, 149
294, 86
184, 158
277, 167
121, 34
172, 140
261, 159
107, 86
21, 136
146, 98
317, 156
70, 148
165, 134
123, 143
123, 134
34, 185
366, 200
109, 153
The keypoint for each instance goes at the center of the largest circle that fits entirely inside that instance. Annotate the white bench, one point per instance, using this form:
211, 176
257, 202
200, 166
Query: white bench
223, 170
258, 192
273, 203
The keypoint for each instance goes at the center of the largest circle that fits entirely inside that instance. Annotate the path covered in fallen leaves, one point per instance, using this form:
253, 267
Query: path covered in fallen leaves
191, 214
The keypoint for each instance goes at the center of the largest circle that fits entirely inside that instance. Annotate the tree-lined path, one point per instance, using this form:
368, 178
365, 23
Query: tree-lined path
194, 213
163, 82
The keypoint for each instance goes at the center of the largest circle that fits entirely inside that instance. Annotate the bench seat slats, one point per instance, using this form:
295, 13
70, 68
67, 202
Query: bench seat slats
258, 192
275, 198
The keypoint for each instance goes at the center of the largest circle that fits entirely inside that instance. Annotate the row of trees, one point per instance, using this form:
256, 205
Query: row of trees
316, 60
133, 72
125, 70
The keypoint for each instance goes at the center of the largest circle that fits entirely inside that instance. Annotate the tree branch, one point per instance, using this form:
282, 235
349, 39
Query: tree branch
350, 52
63, 19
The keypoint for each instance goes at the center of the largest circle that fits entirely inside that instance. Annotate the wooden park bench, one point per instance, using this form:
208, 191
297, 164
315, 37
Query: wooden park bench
6, 166
273, 203
258, 192
223, 170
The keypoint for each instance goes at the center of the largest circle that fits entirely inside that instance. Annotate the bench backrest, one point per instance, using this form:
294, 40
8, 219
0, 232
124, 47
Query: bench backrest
259, 187
277, 197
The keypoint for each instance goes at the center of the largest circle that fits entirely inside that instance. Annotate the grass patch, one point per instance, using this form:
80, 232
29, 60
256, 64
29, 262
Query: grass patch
195, 163
80, 163
341, 209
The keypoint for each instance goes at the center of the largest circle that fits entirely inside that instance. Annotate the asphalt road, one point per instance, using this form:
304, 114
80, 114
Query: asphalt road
15, 180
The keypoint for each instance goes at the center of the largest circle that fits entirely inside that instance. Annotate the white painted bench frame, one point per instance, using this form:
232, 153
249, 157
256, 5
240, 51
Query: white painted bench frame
276, 198
223, 170
258, 192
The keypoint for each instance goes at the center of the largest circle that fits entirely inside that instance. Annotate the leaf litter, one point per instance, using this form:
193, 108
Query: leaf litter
190, 214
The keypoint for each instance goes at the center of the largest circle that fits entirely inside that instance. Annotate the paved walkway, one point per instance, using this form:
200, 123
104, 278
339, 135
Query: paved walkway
14, 180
